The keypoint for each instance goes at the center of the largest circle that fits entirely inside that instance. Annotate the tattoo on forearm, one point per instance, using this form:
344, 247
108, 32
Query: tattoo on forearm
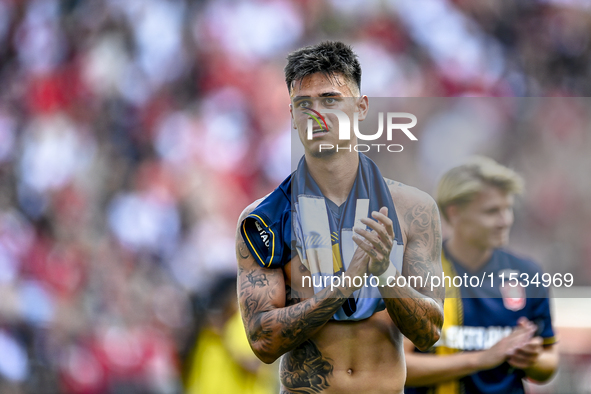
420, 318
415, 318
305, 370
275, 330
282, 329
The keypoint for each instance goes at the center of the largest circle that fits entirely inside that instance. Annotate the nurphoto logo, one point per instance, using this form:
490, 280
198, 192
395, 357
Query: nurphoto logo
345, 129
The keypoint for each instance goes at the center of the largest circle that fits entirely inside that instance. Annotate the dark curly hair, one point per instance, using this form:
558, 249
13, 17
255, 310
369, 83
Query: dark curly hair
328, 57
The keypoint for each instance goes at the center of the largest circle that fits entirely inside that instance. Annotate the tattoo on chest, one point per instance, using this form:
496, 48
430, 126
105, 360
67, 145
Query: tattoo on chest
390, 182
305, 370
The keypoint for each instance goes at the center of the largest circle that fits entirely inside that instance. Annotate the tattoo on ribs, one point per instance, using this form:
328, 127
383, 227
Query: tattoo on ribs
304, 369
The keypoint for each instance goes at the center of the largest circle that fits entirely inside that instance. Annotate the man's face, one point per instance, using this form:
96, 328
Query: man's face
485, 221
319, 91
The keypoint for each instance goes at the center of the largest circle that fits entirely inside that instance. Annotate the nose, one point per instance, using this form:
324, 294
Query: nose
315, 106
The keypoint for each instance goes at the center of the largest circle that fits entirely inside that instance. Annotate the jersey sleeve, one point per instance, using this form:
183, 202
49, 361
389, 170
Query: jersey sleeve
542, 318
264, 240
539, 296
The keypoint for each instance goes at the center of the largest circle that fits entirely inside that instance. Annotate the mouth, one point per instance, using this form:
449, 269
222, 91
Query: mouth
316, 133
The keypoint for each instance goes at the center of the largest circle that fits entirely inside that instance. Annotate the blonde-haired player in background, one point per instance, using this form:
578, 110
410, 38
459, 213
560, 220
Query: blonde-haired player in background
492, 337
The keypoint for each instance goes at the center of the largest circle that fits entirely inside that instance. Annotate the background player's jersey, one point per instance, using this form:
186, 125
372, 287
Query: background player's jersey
478, 317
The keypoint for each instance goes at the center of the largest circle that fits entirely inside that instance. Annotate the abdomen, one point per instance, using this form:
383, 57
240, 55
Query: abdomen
348, 357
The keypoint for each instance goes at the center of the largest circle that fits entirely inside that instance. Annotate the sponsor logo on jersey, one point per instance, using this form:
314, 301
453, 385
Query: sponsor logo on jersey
472, 338
513, 292
513, 297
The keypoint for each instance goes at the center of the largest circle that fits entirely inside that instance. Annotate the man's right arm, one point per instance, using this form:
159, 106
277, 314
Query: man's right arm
423, 369
273, 328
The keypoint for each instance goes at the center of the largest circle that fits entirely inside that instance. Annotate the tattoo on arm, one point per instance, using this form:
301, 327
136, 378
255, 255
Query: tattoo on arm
419, 314
242, 250
278, 321
274, 330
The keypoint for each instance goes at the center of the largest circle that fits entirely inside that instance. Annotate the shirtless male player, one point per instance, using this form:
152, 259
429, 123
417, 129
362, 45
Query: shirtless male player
344, 339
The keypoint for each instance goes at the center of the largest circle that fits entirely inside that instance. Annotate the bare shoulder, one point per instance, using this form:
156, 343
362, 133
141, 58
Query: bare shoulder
258, 288
411, 203
248, 210
407, 194
242, 253
420, 223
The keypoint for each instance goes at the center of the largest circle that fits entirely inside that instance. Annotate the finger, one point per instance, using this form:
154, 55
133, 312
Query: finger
525, 323
382, 214
366, 247
525, 338
518, 338
370, 251
519, 363
520, 333
527, 357
379, 229
533, 343
382, 217
374, 240
361, 255
525, 328
537, 341
527, 352
522, 358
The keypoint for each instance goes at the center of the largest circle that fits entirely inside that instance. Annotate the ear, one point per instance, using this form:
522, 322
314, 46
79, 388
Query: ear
362, 107
293, 125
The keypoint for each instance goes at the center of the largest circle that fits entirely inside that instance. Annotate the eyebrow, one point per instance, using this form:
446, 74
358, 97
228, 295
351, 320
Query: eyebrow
325, 94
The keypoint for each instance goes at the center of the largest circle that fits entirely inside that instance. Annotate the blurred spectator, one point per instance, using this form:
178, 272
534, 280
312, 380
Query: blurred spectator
222, 361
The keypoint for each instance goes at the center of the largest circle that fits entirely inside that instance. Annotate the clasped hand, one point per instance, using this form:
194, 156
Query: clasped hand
377, 242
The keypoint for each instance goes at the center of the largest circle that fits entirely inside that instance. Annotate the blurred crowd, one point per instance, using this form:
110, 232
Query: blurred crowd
133, 133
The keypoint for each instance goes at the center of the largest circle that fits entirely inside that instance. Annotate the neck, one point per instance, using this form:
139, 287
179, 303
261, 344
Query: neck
334, 175
467, 255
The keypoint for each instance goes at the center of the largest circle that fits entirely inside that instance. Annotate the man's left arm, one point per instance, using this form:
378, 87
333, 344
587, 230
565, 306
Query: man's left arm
418, 311
544, 366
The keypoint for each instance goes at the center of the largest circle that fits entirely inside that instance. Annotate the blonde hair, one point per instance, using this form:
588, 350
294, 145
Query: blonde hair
461, 184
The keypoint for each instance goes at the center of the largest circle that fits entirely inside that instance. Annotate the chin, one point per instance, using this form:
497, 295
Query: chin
325, 153
499, 243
